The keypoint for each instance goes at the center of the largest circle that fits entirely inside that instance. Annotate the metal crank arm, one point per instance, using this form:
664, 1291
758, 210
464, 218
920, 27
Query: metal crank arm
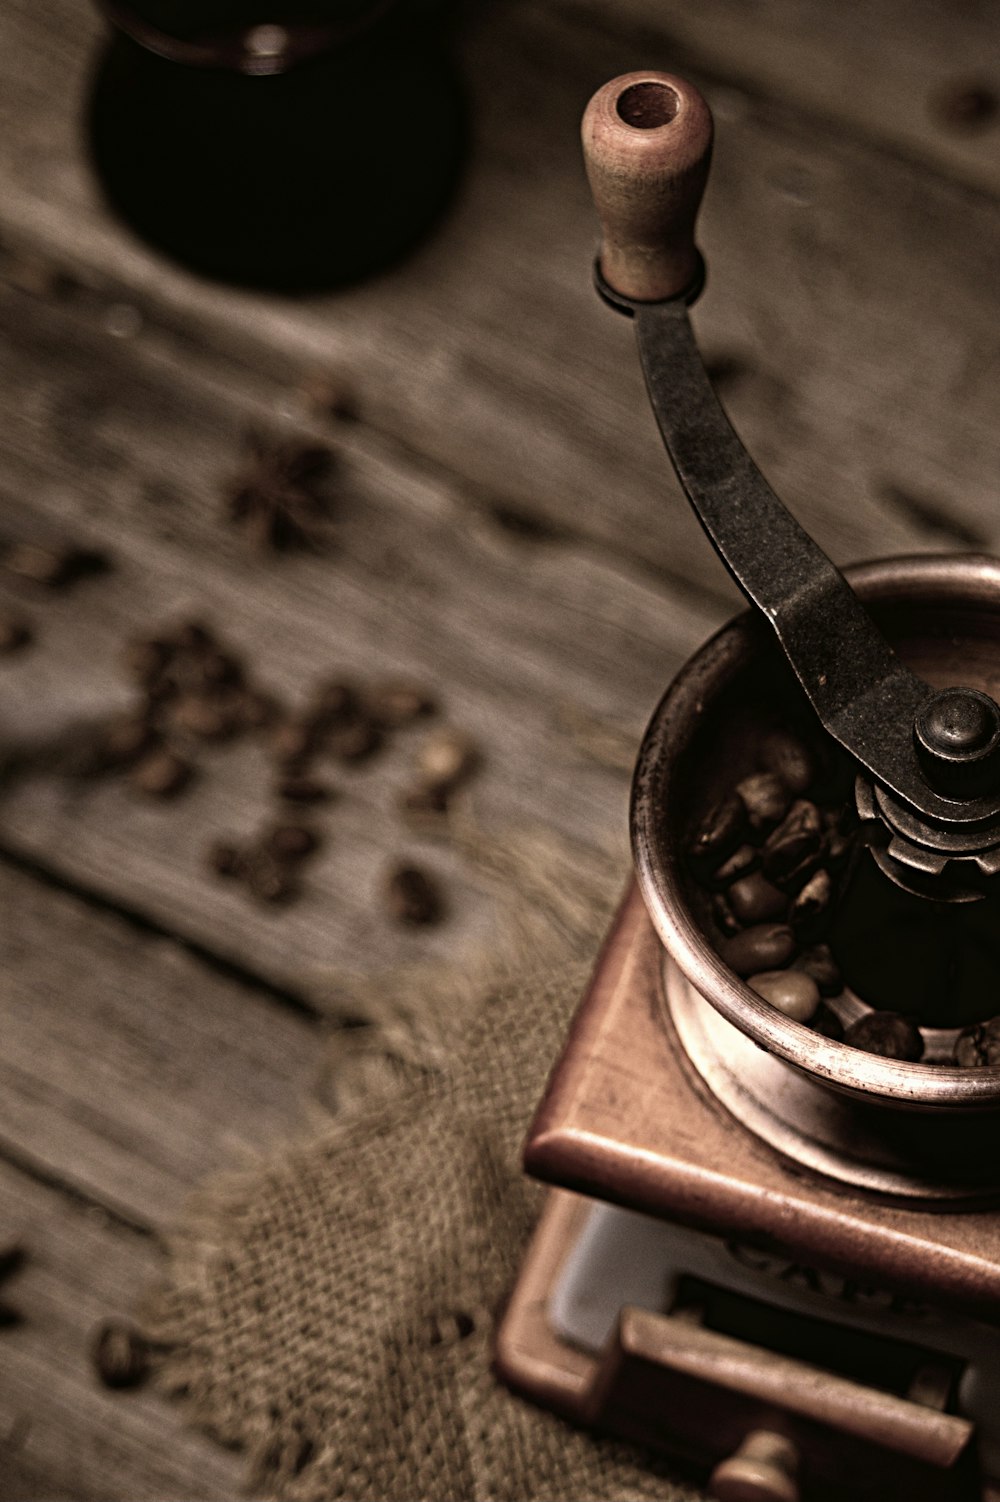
933, 757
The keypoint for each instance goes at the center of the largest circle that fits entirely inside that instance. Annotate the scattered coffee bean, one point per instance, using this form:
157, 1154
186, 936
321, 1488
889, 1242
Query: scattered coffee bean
978, 1047
818, 961
254, 709
826, 1022
209, 719
412, 896
424, 798
744, 860
767, 946
331, 395
161, 773
302, 790
292, 742
724, 916
795, 843
812, 901
268, 879
51, 567
888, 1034
15, 633
192, 637
398, 703
355, 741
753, 899
120, 1354
333, 703
125, 740
720, 831
147, 658
448, 758
291, 842
224, 859
791, 992
12, 1259
784, 754
765, 799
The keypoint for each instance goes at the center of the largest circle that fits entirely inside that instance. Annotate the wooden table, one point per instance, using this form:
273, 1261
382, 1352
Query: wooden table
506, 532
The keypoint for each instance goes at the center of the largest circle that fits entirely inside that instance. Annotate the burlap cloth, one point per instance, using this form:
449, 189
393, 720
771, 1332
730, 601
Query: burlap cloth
332, 1309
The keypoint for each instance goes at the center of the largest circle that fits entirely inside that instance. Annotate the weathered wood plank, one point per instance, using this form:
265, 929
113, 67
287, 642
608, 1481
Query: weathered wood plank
489, 354
123, 449
875, 67
130, 1070
64, 1438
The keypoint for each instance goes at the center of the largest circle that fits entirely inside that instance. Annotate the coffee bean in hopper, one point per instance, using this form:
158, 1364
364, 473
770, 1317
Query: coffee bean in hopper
744, 859
766, 946
888, 1034
784, 754
720, 831
765, 798
978, 1047
753, 899
791, 992
789, 849
818, 961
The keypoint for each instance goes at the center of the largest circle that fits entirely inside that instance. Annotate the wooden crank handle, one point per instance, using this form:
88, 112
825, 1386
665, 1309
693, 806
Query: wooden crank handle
647, 143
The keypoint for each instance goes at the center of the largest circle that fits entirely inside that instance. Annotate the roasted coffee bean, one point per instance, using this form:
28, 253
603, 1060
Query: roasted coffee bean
826, 1022
334, 703
818, 961
398, 703
292, 742
125, 740
812, 901
120, 1354
424, 798
412, 896
724, 916
146, 658
49, 567
331, 395
767, 946
797, 840
192, 637
784, 754
448, 758
209, 719
720, 830
291, 842
765, 799
355, 741
791, 992
225, 859
754, 899
15, 633
254, 709
302, 790
744, 860
978, 1047
161, 773
888, 1034
268, 879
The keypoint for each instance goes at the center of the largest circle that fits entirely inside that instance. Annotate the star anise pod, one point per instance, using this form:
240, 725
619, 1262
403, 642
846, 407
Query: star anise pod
278, 496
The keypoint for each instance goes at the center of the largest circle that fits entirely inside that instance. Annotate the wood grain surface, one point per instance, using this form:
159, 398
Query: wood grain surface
503, 529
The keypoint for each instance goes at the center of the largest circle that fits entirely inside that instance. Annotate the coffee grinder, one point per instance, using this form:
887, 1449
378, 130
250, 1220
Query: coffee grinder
773, 1245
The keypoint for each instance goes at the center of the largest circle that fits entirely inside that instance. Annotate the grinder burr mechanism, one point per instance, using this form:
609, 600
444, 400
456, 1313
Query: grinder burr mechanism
780, 1259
